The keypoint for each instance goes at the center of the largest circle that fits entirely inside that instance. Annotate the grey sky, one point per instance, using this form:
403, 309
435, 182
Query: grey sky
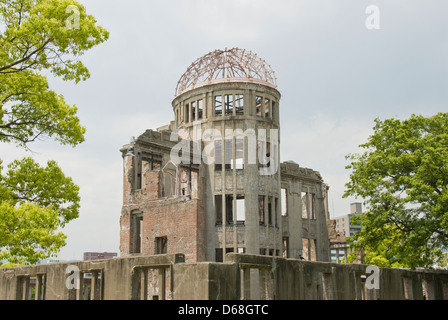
335, 76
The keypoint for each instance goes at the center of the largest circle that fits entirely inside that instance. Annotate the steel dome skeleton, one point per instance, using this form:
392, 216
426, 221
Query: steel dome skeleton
226, 65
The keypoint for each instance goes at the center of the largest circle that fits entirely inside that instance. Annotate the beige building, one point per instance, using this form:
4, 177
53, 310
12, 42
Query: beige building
344, 223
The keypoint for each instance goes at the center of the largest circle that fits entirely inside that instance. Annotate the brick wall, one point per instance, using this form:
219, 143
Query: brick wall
182, 222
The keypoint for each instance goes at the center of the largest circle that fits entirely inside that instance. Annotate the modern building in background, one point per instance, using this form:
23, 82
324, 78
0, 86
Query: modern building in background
344, 223
339, 230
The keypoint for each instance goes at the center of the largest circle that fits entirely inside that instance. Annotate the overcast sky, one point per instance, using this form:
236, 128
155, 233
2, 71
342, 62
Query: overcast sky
335, 76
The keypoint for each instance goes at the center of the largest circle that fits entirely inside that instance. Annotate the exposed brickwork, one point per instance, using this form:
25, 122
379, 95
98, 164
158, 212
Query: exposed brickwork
180, 220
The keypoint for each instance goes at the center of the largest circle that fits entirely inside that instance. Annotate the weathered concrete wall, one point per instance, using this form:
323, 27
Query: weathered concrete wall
117, 277
243, 276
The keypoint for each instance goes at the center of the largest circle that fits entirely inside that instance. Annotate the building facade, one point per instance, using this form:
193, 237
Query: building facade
344, 223
211, 181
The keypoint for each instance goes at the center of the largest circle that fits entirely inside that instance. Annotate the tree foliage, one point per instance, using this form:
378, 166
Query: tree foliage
403, 178
35, 40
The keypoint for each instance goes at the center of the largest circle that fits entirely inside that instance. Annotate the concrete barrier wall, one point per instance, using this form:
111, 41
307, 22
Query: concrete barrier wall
242, 276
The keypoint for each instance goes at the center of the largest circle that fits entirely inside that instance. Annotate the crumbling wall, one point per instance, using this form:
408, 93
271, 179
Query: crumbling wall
243, 276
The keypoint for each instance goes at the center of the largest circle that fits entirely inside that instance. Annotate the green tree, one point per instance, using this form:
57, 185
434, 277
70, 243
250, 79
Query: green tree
403, 178
39, 37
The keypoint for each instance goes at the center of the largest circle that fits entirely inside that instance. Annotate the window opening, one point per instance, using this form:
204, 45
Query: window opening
218, 106
161, 245
200, 109
239, 104
228, 104
258, 102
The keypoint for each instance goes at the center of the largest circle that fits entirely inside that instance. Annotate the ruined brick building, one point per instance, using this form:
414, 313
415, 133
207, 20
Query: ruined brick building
211, 182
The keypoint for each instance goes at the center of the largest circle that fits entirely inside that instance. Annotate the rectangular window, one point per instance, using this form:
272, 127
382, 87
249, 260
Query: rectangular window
312, 206
138, 164
274, 111
218, 208
229, 209
267, 108
218, 106
285, 247
261, 209
228, 156
284, 202
135, 232
240, 209
269, 204
193, 111
160, 246
303, 196
187, 113
239, 104
218, 155
218, 255
258, 103
276, 212
200, 109
228, 99
239, 152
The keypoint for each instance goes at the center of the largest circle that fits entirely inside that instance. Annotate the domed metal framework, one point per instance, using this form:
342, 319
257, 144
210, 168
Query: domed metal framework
226, 65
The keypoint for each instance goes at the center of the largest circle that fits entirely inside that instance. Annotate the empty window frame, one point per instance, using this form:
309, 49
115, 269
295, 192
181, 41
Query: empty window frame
228, 155
218, 106
187, 113
228, 104
138, 168
91, 285
218, 155
284, 202
258, 106
312, 206
218, 209
193, 111
200, 109
308, 205
267, 108
261, 200
274, 111
229, 209
218, 255
161, 245
238, 163
239, 205
303, 196
276, 203
239, 104
285, 247
240, 209
270, 211
135, 232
